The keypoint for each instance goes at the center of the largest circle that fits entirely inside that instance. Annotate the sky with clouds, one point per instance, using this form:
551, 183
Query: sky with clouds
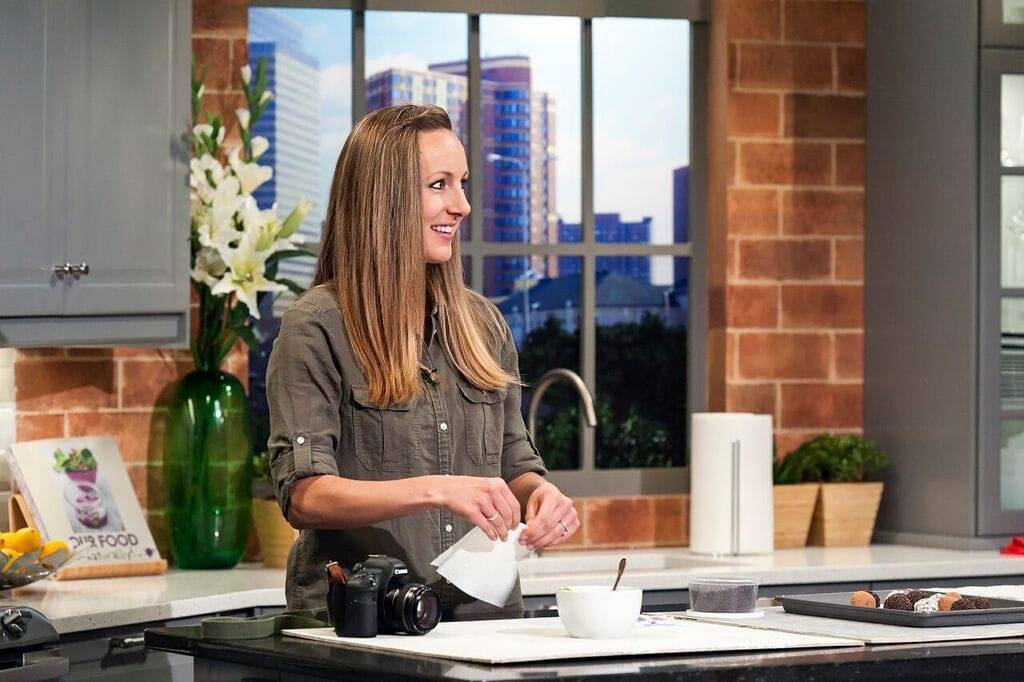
641, 94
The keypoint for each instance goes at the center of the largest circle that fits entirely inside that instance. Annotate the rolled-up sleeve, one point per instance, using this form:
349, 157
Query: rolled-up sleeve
304, 389
519, 455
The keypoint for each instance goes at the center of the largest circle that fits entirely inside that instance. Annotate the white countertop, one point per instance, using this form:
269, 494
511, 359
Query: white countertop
79, 605
669, 568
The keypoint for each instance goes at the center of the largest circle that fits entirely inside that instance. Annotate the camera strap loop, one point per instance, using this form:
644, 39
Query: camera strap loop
257, 627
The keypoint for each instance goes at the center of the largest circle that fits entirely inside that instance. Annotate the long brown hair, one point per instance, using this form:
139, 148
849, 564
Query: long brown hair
372, 253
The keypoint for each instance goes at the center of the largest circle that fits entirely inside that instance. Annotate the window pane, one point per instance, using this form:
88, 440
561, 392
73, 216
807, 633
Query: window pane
1013, 11
543, 314
1013, 231
531, 111
308, 55
1011, 465
1011, 357
1011, 115
407, 64
641, 128
641, 364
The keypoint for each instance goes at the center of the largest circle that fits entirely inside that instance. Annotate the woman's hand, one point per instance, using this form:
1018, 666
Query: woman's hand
485, 502
550, 518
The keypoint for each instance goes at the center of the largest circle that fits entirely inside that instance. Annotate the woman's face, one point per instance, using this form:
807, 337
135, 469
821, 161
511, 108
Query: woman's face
443, 203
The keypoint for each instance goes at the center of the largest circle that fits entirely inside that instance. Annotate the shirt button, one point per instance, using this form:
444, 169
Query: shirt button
300, 440
443, 426
447, 528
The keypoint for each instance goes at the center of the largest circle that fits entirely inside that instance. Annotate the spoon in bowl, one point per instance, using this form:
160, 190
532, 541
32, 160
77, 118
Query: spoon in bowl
618, 577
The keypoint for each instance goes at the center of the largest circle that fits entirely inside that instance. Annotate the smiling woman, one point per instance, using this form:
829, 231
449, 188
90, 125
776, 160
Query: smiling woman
393, 389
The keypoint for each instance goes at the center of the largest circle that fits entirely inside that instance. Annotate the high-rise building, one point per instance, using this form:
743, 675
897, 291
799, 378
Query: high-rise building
291, 122
519, 145
610, 229
681, 221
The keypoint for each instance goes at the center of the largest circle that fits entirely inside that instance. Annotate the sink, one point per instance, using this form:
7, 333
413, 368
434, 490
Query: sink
607, 563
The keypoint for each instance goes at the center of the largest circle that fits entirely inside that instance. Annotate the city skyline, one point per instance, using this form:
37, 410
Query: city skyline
636, 148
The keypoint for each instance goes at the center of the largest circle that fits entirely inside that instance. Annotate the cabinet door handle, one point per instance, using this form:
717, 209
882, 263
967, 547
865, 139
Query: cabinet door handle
82, 269
63, 271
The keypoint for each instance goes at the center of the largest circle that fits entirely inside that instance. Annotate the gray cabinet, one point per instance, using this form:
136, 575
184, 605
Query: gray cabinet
94, 171
944, 279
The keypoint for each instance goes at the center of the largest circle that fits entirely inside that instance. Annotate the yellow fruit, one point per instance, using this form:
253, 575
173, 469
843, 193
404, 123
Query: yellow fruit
24, 540
51, 547
54, 554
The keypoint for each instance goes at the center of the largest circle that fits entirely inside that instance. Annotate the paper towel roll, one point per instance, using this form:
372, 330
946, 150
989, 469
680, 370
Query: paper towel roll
731, 508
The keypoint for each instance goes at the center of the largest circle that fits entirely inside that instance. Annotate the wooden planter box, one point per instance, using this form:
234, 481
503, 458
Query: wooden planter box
794, 507
845, 514
275, 534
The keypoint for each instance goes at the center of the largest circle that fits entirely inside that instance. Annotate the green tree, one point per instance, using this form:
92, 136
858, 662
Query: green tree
641, 394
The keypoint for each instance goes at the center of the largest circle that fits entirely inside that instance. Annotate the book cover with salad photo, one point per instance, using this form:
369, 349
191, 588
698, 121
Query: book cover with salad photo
78, 488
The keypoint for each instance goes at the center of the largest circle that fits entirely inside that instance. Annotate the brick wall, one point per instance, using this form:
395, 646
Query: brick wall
792, 144
786, 332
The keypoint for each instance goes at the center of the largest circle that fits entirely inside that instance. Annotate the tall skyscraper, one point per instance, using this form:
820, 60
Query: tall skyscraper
519, 151
681, 220
291, 122
610, 229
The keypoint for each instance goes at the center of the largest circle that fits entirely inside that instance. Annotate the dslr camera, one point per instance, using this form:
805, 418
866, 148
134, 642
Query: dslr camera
379, 596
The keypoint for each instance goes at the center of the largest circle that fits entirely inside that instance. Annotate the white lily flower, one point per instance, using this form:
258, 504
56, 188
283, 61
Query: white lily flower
201, 91
202, 129
245, 278
219, 230
250, 175
246, 74
202, 170
209, 267
220, 135
243, 117
266, 96
260, 144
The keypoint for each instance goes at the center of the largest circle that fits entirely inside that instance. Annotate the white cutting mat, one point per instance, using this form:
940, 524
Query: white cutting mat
541, 639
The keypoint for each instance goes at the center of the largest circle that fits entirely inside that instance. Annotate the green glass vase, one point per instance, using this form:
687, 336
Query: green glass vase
207, 470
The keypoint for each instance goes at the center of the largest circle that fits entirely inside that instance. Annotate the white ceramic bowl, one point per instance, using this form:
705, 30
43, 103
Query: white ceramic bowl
595, 612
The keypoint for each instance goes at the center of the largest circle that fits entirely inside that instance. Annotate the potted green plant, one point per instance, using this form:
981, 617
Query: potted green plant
793, 500
273, 531
849, 468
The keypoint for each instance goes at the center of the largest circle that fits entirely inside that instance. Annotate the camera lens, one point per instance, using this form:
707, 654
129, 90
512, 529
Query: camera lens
413, 608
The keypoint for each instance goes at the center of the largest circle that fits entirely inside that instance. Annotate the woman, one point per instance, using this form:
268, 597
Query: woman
393, 391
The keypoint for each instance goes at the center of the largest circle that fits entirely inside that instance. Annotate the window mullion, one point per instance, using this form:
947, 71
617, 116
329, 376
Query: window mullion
358, 64
588, 285
476, 149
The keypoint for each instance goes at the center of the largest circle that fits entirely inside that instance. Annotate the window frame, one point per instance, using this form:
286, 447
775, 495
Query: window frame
587, 480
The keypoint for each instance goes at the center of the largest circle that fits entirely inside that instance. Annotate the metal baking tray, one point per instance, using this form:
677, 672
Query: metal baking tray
837, 605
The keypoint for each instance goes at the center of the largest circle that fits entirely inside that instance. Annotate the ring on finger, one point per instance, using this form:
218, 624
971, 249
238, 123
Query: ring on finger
492, 519
565, 528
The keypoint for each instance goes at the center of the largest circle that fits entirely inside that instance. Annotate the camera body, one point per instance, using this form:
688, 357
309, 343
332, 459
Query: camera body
379, 596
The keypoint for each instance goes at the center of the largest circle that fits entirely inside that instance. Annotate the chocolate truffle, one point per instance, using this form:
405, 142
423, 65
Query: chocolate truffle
947, 601
981, 603
962, 604
899, 602
916, 595
878, 602
864, 598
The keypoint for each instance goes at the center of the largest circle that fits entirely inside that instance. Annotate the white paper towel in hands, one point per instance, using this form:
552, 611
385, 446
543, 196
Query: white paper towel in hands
483, 568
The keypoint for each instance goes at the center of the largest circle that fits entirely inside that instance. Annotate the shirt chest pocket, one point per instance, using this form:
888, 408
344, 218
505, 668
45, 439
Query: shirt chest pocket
385, 439
485, 423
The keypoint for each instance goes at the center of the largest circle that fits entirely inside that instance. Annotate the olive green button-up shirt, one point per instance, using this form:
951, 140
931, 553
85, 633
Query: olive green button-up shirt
321, 422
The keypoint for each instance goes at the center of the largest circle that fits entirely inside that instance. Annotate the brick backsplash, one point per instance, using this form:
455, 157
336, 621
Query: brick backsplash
786, 334
790, 150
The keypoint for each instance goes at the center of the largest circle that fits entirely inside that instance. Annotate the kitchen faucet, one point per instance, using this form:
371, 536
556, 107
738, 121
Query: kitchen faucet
551, 377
